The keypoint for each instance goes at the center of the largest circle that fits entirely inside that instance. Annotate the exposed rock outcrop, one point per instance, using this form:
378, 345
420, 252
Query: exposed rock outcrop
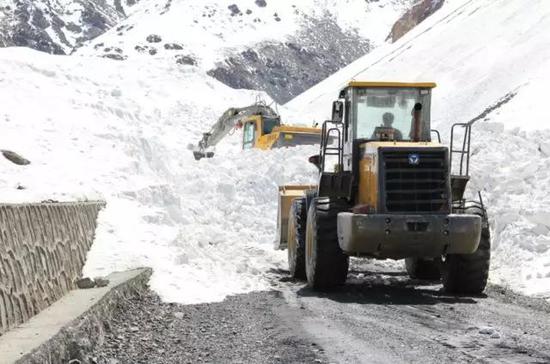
416, 15
286, 69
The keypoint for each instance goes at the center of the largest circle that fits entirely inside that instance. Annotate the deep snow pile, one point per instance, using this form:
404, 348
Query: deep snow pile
482, 53
95, 128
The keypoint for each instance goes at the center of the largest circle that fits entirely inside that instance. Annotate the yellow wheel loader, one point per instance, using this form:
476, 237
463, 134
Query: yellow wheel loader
261, 127
387, 191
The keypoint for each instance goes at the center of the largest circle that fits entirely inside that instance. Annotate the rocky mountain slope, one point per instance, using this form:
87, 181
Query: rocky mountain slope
58, 26
280, 47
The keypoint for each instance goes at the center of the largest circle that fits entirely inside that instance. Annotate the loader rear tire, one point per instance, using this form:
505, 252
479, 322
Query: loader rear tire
468, 273
297, 239
326, 264
421, 268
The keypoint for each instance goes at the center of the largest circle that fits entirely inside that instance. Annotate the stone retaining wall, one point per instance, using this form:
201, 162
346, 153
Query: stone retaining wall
43, 248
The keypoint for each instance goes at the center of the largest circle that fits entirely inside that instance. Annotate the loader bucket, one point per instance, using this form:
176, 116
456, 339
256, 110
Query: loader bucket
286, 195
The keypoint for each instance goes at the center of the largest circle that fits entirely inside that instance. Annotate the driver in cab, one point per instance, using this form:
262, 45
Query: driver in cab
387, 122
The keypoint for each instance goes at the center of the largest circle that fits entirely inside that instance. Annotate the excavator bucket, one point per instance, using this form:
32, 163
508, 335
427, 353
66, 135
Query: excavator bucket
200, 155
286, 195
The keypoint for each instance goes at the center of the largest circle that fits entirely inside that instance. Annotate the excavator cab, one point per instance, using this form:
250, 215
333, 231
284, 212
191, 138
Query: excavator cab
257, 127
267, 132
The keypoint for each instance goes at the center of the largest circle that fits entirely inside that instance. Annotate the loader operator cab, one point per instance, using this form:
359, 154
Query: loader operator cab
367, 112
386, 111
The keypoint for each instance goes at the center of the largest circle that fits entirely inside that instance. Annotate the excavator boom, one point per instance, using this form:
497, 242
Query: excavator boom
227, 122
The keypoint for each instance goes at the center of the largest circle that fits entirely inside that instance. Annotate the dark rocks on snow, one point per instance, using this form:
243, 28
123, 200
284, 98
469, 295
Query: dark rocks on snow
286, 69
115, 56
261, 3
234, 10
153, 38
173, 46
15, 158
186, 60
146, 49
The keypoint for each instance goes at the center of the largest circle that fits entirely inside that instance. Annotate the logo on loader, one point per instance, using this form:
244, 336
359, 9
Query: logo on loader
414, 159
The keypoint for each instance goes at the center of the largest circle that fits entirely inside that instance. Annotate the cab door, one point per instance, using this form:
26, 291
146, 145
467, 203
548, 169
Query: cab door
249, 134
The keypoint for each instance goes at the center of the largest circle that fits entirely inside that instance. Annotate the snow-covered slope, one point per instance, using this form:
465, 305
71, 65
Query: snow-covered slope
481, 53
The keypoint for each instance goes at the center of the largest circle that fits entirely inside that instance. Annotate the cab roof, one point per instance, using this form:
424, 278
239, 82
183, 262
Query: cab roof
391, 84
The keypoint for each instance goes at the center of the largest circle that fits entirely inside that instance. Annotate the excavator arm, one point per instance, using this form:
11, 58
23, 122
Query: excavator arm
227, 122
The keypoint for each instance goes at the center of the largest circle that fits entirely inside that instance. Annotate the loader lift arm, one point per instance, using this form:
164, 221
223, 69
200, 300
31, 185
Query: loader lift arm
227, 122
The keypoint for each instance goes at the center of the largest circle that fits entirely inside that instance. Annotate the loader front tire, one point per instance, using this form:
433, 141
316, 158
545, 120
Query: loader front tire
468, 273
297, 239
326, 264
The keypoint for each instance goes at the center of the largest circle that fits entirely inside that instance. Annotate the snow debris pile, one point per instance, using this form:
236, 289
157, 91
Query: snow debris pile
489, 59
96, 128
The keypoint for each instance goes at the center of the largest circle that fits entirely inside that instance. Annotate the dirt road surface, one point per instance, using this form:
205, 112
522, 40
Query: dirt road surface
379, 316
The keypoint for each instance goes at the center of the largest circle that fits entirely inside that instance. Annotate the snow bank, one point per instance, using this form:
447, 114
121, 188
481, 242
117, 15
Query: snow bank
96, 128
479, 52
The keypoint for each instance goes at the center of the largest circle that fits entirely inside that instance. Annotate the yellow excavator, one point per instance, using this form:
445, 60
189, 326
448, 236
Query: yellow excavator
387, 191
261, 127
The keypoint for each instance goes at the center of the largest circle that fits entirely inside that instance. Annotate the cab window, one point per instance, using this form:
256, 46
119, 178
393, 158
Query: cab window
249, 135
269, 124
390, 109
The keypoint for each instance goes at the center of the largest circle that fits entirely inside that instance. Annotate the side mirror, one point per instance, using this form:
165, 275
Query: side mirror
316, 161
337, 111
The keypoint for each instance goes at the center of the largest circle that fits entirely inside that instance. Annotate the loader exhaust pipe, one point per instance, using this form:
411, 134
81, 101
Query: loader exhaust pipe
417, 122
